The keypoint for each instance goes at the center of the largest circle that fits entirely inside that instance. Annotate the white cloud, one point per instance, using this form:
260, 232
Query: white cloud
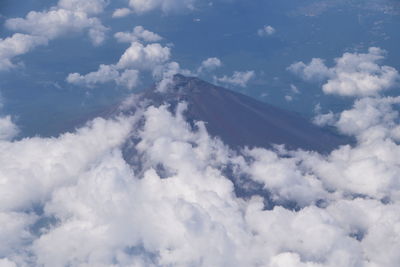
125, 72
106, 212
316, 70
54, 23
288, 98
128, 79
354, 74
38, 28
75, 200
85, 6
144, 57
325, 119
7, 263
106, 73
209, 64
237, 79
138, 34
166, 6
266, 31
121, 12
8, 130
16, 45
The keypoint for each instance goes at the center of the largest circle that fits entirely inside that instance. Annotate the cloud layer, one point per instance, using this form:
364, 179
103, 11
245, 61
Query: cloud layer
149, 189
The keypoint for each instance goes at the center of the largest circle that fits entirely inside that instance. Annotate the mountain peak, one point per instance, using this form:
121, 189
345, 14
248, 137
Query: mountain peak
240, 120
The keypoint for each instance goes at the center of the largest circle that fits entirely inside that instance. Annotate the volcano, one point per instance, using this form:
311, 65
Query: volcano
239, 120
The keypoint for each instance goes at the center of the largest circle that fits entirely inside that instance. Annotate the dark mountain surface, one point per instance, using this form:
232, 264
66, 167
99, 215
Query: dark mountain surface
240, 120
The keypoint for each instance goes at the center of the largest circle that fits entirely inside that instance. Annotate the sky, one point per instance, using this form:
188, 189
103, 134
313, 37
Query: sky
70, 197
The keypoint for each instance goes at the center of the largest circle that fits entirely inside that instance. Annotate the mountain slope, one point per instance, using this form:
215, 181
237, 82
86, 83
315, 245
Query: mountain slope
240, 120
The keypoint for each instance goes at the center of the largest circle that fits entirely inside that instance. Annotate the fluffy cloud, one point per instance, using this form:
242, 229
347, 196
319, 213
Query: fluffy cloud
266, 31
8, 130
166, 198
54, 23
138, 34
209, 64
16, 45
38, 28
144, 57
354, 74
106, 73
237, 79
316, 70
126, 71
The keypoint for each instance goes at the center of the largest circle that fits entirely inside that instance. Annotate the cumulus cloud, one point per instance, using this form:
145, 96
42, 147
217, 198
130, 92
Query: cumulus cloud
54, 23
106, 73
150, 189
266, 31
354, 74
316, 70
237, 79
209, 64
138, 34
16, 45
126, 71
147, 188
8, 130
38, 28
143, 57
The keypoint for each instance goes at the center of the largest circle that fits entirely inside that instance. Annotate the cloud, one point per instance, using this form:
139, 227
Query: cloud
166, 6
86, 6
293, 91
315, 71
17, 44
172, 201
237, 79
106, 73
266, 31
126, 71
148, 188
121, 12
38, 28
144, 57
8, 130
354, 74
138, 34
128, 78
209, 64
57, 22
